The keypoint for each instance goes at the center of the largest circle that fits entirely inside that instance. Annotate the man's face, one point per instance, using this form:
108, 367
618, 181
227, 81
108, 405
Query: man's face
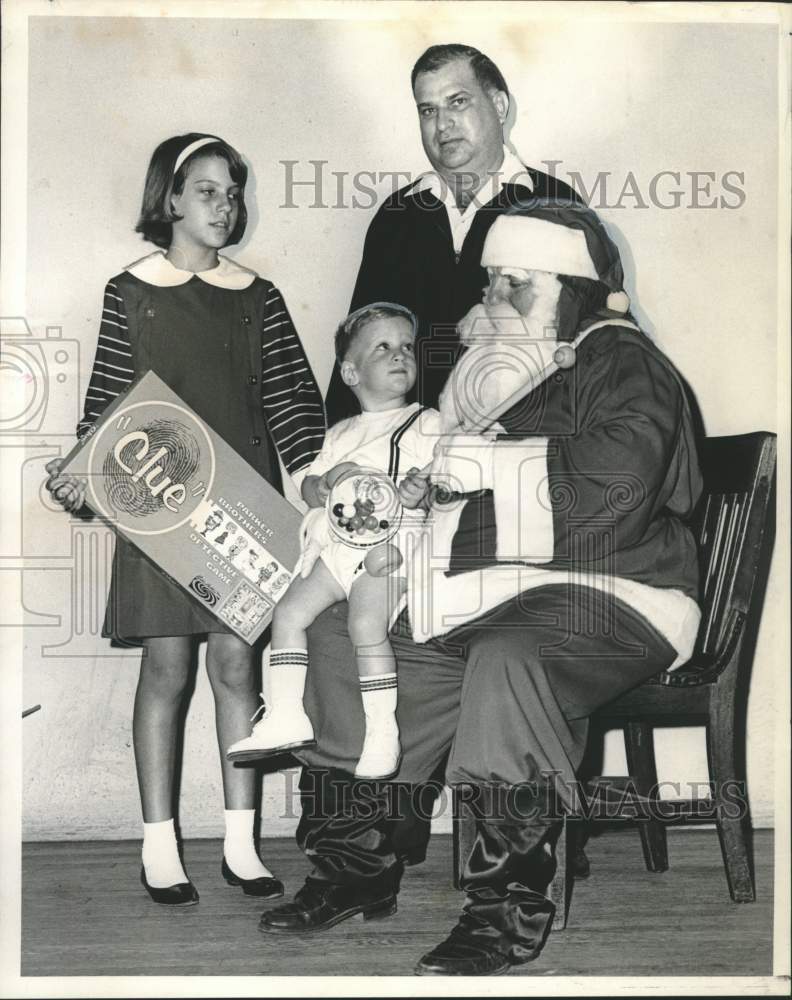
461, 124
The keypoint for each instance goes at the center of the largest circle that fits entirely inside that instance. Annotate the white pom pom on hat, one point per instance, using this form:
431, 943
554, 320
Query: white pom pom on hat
618, 302
562, 238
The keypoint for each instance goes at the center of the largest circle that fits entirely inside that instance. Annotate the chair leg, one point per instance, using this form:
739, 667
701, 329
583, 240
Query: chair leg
560, 889
732, 818
579, 862
639, 744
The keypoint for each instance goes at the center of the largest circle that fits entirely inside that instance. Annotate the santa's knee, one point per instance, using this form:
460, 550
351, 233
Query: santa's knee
497, 660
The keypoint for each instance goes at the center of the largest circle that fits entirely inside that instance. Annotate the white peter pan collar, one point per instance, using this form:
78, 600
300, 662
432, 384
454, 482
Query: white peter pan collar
156, 269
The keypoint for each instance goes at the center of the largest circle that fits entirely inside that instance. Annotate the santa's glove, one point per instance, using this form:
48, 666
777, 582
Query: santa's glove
463, 463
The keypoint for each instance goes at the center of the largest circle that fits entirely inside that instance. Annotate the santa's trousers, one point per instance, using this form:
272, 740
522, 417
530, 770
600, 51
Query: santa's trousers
506, 697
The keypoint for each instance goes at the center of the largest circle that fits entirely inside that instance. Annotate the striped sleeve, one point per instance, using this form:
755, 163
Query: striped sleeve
113, 370
290, 396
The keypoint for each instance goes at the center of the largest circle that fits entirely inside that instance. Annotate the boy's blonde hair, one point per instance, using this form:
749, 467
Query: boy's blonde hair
349, 329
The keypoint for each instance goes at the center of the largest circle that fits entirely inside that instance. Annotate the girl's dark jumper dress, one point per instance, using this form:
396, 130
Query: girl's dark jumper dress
223, 340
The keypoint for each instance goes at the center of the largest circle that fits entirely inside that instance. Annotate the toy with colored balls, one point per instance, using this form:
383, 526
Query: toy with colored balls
363, 508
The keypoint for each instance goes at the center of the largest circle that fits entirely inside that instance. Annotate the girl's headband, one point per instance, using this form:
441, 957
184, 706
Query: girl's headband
189, 150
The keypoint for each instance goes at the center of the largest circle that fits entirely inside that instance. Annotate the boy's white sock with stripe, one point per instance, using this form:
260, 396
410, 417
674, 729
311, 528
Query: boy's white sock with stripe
379, 695
288, 669
381, 748
284, 725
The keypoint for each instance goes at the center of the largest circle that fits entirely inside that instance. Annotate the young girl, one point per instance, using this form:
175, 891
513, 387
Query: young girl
221, 337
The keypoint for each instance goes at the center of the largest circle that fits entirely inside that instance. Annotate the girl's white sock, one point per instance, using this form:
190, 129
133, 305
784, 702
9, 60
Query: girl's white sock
161, 855
240, 850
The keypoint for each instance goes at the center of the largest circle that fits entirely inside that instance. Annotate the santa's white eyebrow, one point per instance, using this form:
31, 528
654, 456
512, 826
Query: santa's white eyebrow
515, 272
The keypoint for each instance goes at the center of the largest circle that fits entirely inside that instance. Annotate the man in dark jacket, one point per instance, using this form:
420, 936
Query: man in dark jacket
423, 247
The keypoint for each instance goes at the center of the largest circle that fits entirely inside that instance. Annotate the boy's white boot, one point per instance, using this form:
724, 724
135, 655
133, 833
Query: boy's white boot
381, 753
284, 725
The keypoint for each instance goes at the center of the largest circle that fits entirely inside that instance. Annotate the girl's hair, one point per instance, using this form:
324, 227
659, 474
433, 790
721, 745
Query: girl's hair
162, 182
349, 329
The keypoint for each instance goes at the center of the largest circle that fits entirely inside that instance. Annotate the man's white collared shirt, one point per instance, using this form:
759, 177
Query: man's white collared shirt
511, 171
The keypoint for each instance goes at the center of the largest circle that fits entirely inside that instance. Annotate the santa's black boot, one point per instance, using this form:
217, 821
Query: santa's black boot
355, 872
507, 916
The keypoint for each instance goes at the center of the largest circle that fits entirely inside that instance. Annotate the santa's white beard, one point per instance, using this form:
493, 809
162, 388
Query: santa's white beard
507, 356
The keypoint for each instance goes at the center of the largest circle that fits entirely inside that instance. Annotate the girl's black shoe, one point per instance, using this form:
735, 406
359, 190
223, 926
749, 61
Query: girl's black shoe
183, 894
265, 887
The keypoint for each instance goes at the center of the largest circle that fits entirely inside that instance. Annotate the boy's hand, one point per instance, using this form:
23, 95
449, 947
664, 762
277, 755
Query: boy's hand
315, 490
66, 490
322, 489
412, 489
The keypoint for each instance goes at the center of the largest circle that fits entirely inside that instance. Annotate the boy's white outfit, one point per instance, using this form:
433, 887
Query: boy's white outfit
392, 442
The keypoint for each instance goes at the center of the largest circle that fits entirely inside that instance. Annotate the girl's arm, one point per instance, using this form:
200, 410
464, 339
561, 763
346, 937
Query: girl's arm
290, 396
113, 369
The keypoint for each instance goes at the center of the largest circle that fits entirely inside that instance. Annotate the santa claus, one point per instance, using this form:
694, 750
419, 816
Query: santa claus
556, 572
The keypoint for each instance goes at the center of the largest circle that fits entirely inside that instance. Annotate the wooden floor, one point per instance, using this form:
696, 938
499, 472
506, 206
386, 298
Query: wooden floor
85, 913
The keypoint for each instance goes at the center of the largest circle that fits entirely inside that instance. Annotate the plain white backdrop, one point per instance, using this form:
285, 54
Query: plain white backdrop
611, 97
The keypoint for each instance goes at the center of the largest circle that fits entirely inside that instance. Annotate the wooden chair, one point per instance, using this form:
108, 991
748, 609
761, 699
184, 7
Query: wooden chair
734, 526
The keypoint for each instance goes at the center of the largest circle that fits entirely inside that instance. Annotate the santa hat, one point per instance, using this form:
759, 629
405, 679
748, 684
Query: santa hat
559, 237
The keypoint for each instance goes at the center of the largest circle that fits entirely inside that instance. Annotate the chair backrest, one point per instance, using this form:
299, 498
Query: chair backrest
734, 525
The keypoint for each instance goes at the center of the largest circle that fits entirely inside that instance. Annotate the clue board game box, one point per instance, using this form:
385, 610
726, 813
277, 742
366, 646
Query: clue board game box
171, 486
